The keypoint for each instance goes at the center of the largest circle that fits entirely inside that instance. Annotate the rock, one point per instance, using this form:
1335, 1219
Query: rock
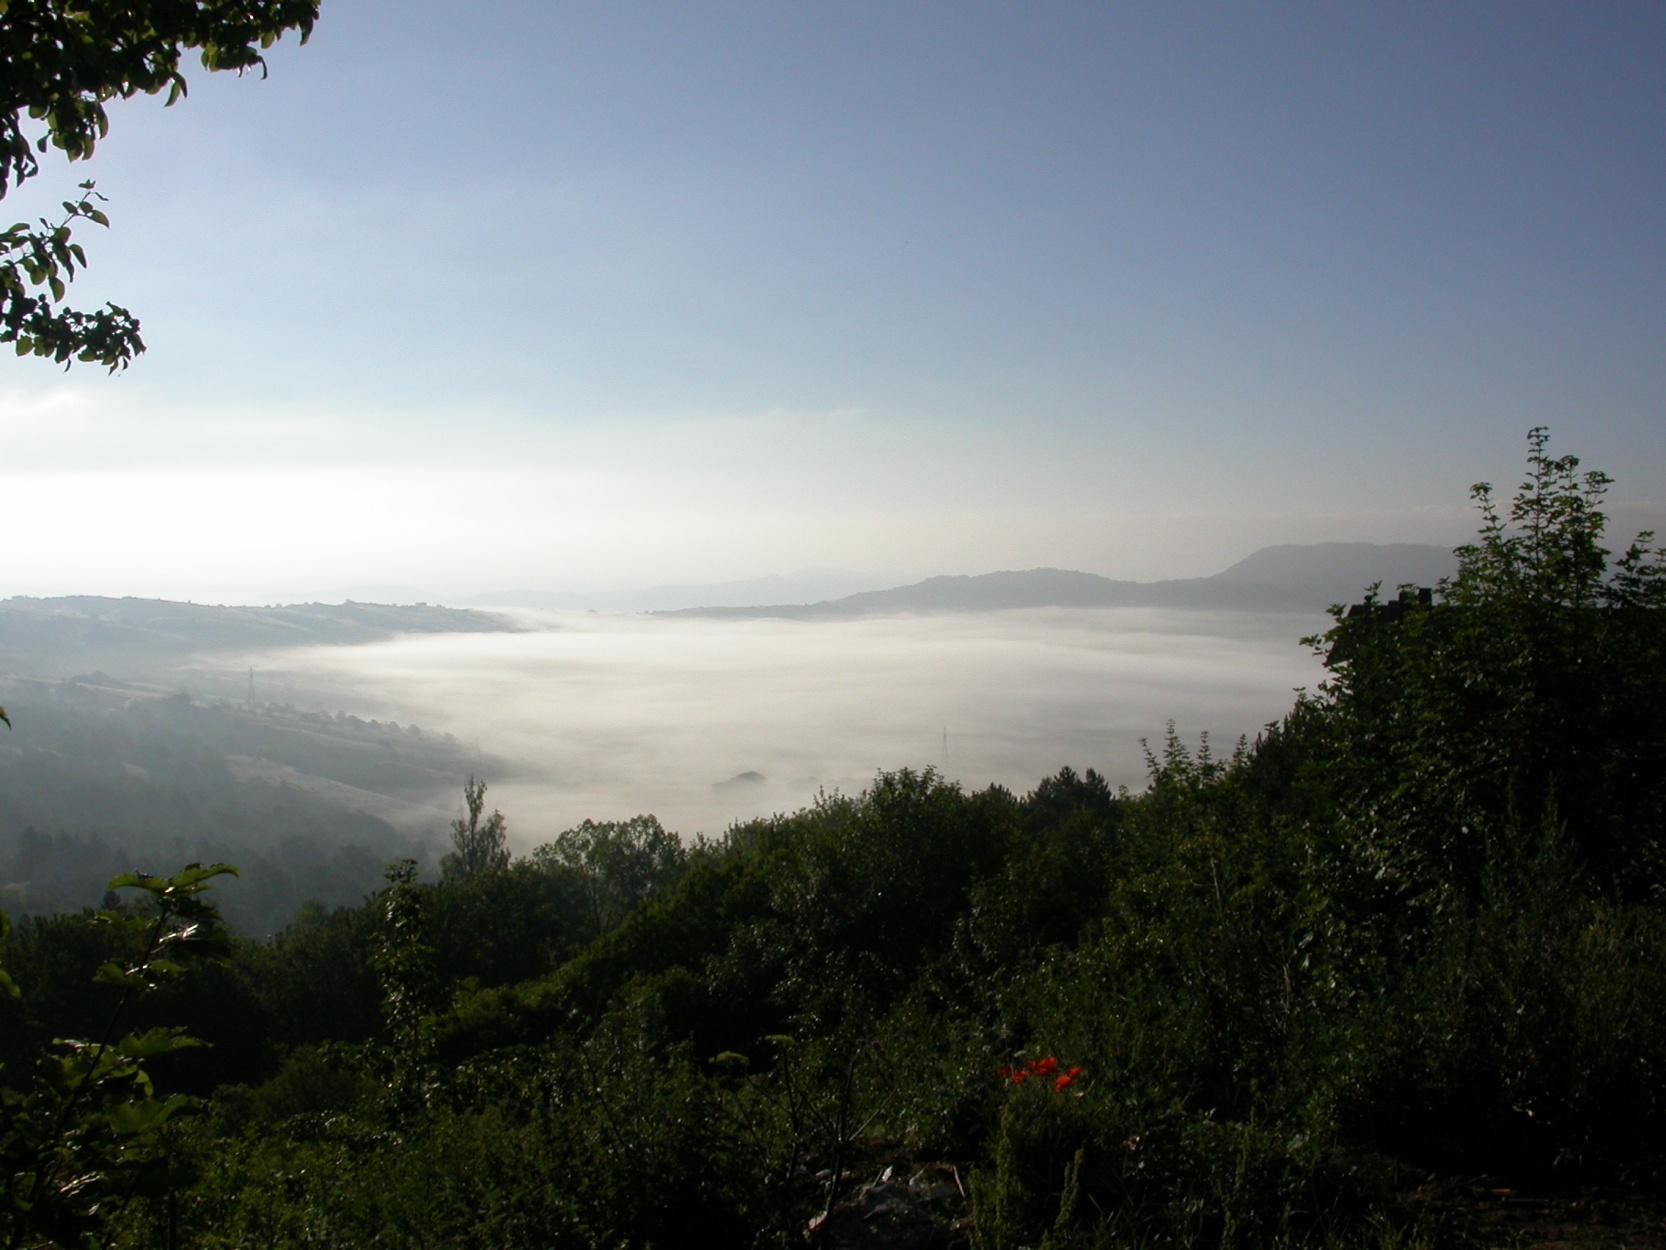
925, 1211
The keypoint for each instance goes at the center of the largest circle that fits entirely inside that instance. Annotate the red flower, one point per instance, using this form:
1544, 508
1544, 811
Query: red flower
1041, 1070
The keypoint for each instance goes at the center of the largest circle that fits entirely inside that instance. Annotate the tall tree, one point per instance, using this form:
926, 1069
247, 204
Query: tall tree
621, 864
480, 846
61, 61
1527, 690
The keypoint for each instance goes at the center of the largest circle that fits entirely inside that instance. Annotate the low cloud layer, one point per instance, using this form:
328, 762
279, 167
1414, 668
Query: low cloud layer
704, 722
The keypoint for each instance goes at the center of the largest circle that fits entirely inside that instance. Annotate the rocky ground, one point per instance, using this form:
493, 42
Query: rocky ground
889, 1201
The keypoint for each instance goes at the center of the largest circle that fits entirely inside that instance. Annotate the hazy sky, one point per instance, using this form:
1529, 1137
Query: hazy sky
521, 293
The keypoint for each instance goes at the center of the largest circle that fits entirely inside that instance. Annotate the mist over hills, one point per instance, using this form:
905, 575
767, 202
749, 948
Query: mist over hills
100, 775
1284, 578
152, 732
149, 638
1297, 577
1288, 577
155, 766
89, 631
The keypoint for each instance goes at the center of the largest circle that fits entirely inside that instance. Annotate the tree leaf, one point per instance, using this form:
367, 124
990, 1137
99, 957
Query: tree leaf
132, 1118
154, 1042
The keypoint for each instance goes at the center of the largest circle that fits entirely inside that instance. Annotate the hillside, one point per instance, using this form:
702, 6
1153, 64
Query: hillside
1274, 579
102, 775
126, 750
60, 636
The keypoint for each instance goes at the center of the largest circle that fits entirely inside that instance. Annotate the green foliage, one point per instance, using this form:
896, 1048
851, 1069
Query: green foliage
619, 865
64, 61
864, 891
687, 928
1058, 873
37, 264
404, 964
84, 1135
316, 981
620, 1141
934, 1051
1527, 1033
504, 927
313, 1081
478, 848
1096, 1170
1530, 689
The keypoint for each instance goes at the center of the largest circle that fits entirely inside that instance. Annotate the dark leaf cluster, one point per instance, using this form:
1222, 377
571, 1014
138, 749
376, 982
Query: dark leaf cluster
61, 63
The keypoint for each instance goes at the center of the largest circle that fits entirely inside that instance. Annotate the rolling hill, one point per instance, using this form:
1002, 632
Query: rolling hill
1274, 579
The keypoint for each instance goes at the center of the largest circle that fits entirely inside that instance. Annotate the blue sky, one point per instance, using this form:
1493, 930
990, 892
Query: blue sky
466, 297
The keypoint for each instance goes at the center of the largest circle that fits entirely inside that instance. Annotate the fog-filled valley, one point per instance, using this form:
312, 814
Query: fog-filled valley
316, 742
704, 722
1167, 891
313, 744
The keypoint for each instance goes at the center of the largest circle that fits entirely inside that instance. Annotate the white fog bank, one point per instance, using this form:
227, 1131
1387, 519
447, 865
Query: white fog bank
608, 716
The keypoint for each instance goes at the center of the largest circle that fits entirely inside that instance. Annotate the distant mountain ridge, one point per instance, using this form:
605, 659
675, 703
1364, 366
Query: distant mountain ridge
1341, 564
1291, 577
1294, 578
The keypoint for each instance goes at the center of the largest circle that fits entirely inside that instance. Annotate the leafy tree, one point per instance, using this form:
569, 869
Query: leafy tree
63, 61
1057, 870
1527, 688
315, 980
500, 927
83, 1136
404, 964
620, 863
480, 846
